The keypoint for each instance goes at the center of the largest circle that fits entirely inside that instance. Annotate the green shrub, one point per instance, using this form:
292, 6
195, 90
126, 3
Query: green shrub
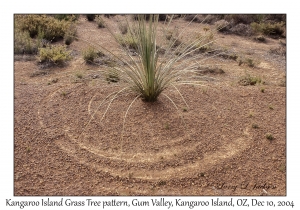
112, 76
242, 18
23, 44
90, 54
51, 27
269, 136
269, 29
57, 54
128, 41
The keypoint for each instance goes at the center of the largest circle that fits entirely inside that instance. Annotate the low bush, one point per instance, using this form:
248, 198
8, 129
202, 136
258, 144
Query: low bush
229, 55
90, 54
67, 17
205, 41
211, 19
260, 38
211, 70
247, 61
112, 76
171, 34
23, 44
276, 17
242, 29
249, 80
193, 18
269, 136
128, 41
236, 19
70, 34
56, 54
269, 29
222, 25
91, 17
51, 27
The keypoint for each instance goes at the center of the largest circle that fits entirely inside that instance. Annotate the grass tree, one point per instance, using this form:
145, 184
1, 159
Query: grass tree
150, 73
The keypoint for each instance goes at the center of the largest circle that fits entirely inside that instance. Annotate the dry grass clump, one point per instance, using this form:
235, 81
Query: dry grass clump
210, 70
260, 38
128, 41
247, 61
173, 38
278, 50
249, 80
90, 54
100, 21
123, 28
205, 41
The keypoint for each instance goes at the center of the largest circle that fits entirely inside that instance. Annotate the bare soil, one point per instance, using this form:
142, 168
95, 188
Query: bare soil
216, 145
